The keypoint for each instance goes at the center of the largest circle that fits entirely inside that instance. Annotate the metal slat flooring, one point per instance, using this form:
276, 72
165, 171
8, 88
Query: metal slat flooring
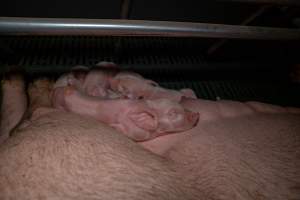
71, 50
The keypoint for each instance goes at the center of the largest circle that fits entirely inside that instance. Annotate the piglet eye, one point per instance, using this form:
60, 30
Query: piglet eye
140, 97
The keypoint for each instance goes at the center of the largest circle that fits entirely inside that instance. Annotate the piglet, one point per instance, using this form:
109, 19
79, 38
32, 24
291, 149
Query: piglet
140, 120
75, 78
134, 86
97, 81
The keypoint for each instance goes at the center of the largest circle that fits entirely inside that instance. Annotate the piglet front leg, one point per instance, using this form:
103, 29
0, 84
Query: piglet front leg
79, 103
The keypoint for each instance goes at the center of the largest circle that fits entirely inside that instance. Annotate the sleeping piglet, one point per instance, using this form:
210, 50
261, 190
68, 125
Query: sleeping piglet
97, 81
134, 86
140, 120
75, 78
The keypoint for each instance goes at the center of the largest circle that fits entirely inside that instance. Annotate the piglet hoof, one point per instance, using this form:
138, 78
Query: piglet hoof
39, 87
13, 77
13, 82
42, 83
69, 90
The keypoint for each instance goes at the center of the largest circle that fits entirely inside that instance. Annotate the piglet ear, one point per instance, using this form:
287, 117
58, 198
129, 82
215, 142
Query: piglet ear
107, 65
189, 93
153, 83
192, 117
146, 120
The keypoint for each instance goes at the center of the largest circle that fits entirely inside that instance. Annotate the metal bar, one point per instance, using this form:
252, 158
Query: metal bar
276, 2
248, 20
54, 26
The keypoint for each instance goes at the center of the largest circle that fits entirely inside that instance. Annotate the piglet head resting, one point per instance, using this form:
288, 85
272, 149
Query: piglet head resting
133, 86
172, 117
164, 117
130, 85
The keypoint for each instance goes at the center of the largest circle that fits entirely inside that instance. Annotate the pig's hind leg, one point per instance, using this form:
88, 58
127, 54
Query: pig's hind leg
14, 103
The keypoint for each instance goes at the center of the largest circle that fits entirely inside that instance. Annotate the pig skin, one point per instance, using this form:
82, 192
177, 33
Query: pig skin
61, 155
246, 157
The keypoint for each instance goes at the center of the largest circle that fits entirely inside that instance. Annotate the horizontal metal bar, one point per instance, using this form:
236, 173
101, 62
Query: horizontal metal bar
110, 27
275, 2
